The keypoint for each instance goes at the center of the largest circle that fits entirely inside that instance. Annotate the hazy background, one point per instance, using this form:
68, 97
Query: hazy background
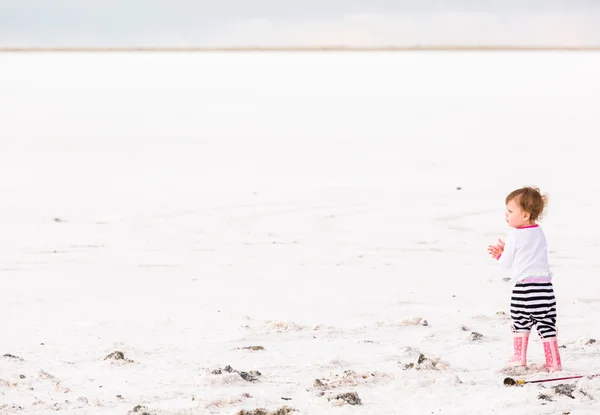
298, 22
206, 199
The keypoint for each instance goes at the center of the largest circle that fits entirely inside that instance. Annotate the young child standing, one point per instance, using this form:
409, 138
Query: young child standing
525, 253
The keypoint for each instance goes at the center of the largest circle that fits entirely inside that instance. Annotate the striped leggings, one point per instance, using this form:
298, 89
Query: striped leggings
533, 304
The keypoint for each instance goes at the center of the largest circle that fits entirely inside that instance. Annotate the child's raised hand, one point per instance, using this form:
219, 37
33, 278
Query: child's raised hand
496, 250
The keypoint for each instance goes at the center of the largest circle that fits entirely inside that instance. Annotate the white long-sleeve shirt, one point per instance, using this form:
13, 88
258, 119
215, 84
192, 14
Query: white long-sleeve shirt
526, 254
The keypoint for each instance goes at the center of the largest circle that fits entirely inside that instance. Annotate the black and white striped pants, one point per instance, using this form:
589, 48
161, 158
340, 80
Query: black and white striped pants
533, 304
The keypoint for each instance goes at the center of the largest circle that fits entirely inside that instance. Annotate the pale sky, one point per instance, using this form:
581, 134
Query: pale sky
297, 22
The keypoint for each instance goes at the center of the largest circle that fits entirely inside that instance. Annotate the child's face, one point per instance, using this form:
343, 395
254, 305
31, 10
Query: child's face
515, 217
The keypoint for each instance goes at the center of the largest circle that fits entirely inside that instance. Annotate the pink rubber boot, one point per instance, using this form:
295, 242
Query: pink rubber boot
520, 341
553, 362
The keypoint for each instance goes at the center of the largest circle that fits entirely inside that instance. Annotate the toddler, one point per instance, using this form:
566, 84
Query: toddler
525, 253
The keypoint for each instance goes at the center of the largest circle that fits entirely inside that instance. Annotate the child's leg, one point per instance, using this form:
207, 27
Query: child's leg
546, 328
521, 326
520, 342
520, 311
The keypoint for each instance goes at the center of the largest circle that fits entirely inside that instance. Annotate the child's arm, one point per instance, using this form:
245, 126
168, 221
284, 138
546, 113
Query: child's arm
507, 256
496, 250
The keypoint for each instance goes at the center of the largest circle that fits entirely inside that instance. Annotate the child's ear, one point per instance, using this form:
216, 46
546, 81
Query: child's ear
526, 215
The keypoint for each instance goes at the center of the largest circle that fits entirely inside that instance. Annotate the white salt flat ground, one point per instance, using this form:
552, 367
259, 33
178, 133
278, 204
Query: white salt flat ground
179, 207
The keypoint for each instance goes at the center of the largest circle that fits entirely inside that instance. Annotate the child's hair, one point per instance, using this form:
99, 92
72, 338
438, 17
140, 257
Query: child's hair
530, 200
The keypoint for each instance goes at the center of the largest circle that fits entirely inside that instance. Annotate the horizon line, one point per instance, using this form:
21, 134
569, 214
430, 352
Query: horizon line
316, 48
